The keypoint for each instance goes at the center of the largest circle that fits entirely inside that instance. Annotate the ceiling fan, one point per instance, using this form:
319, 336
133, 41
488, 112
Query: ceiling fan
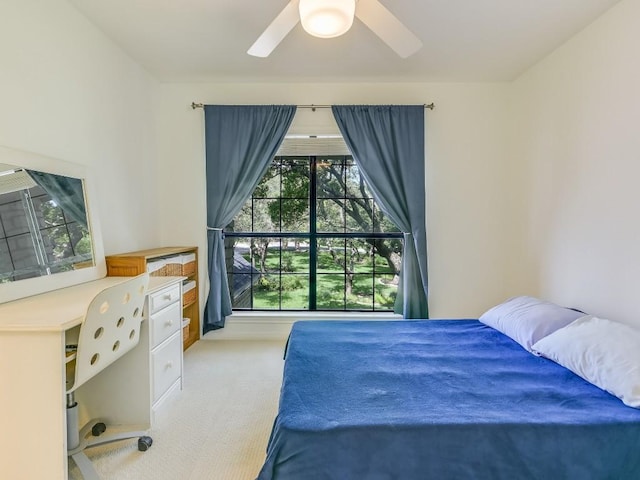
332, 18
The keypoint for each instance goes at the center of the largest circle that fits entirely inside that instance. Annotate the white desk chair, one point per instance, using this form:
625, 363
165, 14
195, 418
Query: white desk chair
110, 329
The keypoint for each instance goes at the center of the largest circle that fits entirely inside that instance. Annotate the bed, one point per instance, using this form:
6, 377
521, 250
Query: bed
441, 399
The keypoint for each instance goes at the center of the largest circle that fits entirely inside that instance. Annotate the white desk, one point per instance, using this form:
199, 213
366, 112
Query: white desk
32, 379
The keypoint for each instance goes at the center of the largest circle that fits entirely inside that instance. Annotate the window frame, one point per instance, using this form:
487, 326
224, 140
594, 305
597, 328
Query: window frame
312, 237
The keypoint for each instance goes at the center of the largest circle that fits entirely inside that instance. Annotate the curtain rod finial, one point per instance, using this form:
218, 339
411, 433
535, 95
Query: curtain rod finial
195, 105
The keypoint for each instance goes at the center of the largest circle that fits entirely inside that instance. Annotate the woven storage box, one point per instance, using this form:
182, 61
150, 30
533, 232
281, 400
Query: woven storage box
188, 292
188, 262
185, 328
174, 266
157, 268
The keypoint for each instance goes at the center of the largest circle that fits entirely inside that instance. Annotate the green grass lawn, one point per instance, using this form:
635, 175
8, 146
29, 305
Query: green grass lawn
288, 289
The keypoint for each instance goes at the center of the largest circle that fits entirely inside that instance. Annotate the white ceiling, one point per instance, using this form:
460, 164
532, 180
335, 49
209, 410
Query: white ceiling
464, 40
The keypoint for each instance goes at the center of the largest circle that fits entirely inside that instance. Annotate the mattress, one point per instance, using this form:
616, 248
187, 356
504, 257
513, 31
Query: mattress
439, 399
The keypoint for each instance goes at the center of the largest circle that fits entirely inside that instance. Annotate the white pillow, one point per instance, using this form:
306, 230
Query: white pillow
602, 352
527, 319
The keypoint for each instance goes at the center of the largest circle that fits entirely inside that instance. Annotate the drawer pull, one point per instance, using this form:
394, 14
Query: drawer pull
167, 296
168, 365
168, 323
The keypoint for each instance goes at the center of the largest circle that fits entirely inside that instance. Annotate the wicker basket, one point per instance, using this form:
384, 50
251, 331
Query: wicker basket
185, 329
174, 266
188, 292
188, 264
157, 268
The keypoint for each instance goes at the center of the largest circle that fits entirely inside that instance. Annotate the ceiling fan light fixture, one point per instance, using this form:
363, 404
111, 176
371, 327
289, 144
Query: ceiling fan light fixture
327, 18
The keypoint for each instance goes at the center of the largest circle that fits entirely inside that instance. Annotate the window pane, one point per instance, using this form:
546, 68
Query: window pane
360, 255
80, 240
295, 181
48, 213
295, 292
361, 292
241, 272
57, 243
388, 258
359, 215
330, 292
385, 291
242, 286
295, 259
330, 216
14, 219
266, 215
239, 266
266, 293
24, 256
331, 178
295, 215
331, 255
6, 266
354, 181
266, 254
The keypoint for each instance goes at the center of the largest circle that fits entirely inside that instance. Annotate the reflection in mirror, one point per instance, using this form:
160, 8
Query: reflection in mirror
50, 235
43, 224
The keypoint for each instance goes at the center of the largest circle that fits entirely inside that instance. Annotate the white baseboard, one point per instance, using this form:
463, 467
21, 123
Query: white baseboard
276, 326
251, 330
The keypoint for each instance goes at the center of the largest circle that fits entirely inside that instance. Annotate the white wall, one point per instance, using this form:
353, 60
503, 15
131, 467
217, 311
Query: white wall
531, 185
468, 199
577, 128
68, 92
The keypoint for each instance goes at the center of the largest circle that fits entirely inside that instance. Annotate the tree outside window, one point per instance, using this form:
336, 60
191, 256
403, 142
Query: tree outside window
312, 238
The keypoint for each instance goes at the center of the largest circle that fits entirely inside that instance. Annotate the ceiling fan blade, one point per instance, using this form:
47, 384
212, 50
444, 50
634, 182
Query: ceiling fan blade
276, 31
385, 25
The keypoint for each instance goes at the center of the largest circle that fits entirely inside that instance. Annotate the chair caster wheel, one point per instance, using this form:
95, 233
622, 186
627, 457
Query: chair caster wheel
98, 429
144, 443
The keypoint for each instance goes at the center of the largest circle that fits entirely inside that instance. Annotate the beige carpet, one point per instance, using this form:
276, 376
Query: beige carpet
217, 428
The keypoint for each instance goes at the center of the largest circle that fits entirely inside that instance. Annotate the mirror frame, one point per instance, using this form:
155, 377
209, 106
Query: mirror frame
34, 286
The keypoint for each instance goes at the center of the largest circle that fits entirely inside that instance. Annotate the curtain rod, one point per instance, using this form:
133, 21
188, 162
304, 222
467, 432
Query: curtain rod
195, 105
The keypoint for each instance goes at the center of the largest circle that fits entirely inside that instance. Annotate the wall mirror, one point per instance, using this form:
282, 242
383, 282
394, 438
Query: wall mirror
49, 231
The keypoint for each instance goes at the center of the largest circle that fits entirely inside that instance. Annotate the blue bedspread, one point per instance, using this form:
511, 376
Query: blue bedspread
446, 400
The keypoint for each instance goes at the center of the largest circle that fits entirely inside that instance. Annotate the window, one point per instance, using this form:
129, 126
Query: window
311, 237
37, 237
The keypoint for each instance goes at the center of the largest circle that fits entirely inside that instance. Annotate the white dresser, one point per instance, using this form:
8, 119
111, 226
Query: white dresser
33, 334
163, 311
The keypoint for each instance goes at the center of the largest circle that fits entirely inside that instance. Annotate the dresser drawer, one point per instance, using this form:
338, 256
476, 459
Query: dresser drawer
159, 300
165, 323
166, 366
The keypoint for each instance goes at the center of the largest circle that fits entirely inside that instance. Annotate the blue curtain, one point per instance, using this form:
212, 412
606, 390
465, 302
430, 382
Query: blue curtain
387, 143
67, 192
241, 141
